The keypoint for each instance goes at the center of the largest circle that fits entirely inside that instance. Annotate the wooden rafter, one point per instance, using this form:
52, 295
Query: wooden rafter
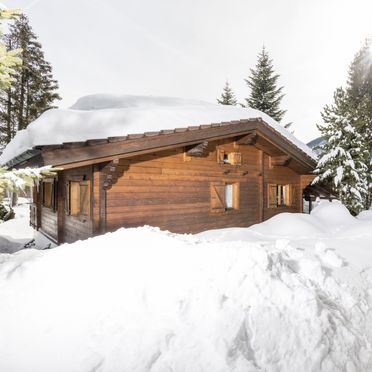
110, 173
198, 150
248, 139
280, 161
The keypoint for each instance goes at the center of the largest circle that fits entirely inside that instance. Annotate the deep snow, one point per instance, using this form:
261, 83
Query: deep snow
265, 298
103, 115
14, 234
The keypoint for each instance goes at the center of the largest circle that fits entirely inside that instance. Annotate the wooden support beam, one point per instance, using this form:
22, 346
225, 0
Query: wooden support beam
248, 139
280, 161
61, 188
109, 171
199, 150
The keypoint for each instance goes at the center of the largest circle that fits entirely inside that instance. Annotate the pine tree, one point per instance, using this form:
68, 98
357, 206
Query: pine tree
342, 162
9, 59
227, 96
359, 90
34, 89
264, 93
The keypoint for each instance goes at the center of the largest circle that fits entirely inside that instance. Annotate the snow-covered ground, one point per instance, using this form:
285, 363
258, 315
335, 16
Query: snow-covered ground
14, 234
291, 294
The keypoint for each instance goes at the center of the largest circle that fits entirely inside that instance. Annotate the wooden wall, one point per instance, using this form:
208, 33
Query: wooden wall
281, 175
162, 189
171, 191
76, 228
49, 222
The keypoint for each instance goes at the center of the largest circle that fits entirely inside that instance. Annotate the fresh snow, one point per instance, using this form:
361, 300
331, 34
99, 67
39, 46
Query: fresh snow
291, 294
14, 234
103, 115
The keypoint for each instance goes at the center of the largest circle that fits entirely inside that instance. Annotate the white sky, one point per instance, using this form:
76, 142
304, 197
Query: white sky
188, 48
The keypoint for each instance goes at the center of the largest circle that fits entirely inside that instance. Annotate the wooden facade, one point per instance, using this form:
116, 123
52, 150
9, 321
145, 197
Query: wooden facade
185, 184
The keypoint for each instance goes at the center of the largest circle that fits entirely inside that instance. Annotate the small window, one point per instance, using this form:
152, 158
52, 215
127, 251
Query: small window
79, 198
232, 158
48, 194
280, 195
224, 196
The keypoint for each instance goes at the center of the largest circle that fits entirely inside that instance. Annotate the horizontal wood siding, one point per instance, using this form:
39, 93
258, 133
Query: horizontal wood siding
280, 175
49, 222
165, 190
77, 228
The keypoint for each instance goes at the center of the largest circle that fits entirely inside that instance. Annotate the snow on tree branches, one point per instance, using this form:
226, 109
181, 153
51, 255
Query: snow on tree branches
11, 180
9, 59
346, 161
342, 161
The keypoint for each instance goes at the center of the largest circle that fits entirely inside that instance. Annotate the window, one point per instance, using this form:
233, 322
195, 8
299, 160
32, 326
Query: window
224, 196
281, 195
79, 198
48, 194
232, 158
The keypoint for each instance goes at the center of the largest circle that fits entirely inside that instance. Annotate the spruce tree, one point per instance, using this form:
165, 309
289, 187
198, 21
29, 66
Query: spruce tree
34, 89
265, 95
359, 90
227, 96
342, 162
9, 58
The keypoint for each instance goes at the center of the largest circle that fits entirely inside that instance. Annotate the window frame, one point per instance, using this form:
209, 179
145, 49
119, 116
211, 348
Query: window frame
52, 194
218, 203
77, 208
284, 195
233, 158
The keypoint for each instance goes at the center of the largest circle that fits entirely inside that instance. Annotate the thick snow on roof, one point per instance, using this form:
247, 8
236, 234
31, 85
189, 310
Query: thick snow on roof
102, 115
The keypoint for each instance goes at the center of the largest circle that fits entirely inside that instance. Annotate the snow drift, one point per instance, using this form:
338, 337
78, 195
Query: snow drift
103, 115
146, 300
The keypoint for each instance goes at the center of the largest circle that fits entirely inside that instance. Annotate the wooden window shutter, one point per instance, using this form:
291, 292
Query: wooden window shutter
218, 197
48, 194
293, 195
235, 158
287, 195
220, 156
34, 194
74, 198
55, 195
272, 195
85, 198
236, 194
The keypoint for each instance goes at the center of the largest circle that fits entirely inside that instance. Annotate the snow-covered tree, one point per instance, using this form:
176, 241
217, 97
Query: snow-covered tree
265, 95
9, 58
227, 96
359, 90
342, 161
34, 89
12, 180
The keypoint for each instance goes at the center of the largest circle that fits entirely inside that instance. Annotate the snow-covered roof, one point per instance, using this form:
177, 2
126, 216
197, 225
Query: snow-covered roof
102, 115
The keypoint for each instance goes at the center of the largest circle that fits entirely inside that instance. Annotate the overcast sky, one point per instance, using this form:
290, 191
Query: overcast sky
189, 48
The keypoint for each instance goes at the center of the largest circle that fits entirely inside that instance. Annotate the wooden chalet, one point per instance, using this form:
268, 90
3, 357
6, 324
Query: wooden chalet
185, 180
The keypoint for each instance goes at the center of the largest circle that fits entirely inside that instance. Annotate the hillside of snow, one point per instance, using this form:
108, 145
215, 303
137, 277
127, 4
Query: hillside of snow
103, 115
291, 294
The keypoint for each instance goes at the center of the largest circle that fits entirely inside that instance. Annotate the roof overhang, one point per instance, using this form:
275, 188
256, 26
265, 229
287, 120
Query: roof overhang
76, 154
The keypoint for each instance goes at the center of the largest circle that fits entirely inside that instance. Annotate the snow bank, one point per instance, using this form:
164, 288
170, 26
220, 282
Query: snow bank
14, 234
326, 219
101, 116
146, 300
